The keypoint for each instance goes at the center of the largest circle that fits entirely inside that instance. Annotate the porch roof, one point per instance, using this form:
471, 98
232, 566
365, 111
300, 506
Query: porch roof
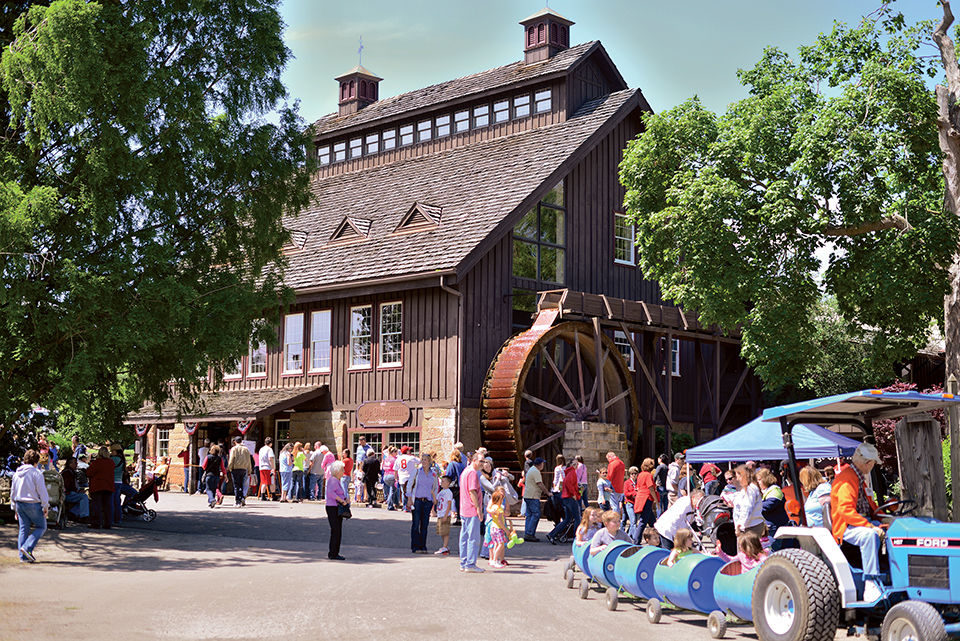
234, 405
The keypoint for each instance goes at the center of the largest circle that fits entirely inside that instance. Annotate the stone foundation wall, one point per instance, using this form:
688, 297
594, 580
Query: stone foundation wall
592, 441
438, 431
327, 427
179, 440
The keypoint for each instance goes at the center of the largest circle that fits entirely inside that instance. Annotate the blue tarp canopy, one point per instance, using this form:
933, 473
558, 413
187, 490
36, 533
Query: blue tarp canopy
863, 406
762, 441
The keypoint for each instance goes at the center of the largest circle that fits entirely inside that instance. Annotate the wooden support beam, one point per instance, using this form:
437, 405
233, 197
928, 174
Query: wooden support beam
556, 370
646, 373
736, 390
553, 437
598, 338
549, 406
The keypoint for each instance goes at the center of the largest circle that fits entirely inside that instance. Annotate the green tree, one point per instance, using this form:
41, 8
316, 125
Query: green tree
837, 145
147, 163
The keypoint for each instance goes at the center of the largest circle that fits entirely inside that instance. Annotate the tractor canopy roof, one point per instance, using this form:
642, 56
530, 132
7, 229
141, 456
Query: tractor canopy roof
861, 407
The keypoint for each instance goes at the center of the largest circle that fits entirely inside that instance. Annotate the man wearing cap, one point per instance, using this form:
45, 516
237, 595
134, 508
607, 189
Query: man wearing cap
533, 489
404, 467
853, 512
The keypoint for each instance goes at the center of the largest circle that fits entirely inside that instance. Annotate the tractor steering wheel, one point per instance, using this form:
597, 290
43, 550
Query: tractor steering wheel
906, 506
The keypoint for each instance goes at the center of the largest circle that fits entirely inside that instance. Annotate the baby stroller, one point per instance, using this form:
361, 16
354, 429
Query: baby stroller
553, 511
137, 505
57, 514
711, 517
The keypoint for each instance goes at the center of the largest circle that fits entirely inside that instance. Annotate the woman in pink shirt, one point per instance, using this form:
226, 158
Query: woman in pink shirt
336, 496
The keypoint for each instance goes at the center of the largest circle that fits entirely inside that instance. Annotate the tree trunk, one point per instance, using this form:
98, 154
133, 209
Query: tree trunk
921, 465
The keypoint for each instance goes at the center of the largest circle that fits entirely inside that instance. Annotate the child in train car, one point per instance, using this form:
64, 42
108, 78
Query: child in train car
651, 537
609, 533
589, 524
751, 552
682, 546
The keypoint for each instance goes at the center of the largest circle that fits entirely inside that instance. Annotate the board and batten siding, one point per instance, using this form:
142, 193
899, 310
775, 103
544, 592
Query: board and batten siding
426, 377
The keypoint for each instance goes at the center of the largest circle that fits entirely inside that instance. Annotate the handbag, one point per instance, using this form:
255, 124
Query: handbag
344, 511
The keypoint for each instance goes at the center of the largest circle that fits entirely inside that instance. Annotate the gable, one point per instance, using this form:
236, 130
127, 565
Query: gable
351, 229
420, 217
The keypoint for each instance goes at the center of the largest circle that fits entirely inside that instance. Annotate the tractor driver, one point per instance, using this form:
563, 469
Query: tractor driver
853, 512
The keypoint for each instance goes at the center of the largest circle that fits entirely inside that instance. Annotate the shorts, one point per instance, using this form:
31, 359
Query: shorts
497, 535
443, 525
264, 477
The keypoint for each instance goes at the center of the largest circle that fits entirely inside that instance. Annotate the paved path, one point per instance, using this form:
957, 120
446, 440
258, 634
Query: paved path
261, 572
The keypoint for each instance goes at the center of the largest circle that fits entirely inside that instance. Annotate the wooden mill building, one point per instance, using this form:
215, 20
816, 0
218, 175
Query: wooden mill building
439, 214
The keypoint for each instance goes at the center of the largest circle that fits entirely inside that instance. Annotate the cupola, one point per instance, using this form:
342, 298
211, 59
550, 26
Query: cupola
545, 34
359, 87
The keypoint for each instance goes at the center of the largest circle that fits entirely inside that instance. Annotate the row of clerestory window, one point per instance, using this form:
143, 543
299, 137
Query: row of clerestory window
441, 126
537, 35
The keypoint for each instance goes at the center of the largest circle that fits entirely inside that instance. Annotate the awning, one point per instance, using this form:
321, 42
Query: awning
236, 405
864, 406
762, 441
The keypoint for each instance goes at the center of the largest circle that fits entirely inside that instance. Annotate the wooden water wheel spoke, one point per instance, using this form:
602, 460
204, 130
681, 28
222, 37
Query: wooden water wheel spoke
547, 377
556, 370
583, 391
549, 406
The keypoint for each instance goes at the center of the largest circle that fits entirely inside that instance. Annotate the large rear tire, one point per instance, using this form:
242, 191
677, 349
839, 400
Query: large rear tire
913, 621
795, 598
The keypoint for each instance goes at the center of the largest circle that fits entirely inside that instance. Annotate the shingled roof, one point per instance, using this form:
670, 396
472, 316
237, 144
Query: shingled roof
457, 89
477, 186
233, 405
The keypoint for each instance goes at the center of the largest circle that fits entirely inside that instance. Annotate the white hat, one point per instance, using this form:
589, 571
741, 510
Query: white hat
867, 452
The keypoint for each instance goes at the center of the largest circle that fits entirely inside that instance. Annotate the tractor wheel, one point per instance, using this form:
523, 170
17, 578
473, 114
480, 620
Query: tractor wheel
795, 598
571, 577
613, 598
654, 610
717, 624
913, 621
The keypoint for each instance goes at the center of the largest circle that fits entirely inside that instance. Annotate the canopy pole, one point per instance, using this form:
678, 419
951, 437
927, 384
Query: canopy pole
787, 429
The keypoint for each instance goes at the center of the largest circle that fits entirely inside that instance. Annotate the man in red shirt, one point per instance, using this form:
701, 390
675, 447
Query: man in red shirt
570, 497
710, 474
615, 474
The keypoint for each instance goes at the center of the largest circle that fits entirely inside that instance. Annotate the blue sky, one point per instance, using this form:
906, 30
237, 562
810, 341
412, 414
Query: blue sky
671, 50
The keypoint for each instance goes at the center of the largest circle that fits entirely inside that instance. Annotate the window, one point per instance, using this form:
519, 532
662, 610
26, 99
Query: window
320, 340
543, 101
360, 336
399, 439
340, 152
481, 116
163, 441
293, 343
282, 436
233, 370
623, 239
258, 360
424, 130
391, 334
323, 155
521, 106
461, 121
623, 346
443, 126
501, 111
675, 356
356, 147
373, 144
389, 139
539, 240
406, 135
374, 440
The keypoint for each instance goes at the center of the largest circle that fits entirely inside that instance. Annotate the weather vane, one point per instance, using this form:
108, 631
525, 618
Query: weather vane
360, 52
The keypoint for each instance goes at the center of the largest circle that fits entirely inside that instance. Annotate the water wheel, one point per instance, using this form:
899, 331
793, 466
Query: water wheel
545, 377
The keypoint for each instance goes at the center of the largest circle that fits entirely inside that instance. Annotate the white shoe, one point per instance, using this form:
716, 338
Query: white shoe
871, 592
473, 570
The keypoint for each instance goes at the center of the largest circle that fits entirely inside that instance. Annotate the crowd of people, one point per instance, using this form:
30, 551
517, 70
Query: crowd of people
656, 504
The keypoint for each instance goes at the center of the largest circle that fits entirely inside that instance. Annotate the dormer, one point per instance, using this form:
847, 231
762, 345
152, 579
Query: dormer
359, 87
545, 34
420, 217
350, 229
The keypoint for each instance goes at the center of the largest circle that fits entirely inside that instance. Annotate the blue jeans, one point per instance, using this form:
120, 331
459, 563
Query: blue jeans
469, 541
631, 515
391, 495
421, 523
710, 487
314, 482
571, 512
345, 484
297, 487
533, 516
286, 482
869, 543
30, 515
186, 479
584, 500
616, 504
664, 499
120, 489
80, 504
211, 483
